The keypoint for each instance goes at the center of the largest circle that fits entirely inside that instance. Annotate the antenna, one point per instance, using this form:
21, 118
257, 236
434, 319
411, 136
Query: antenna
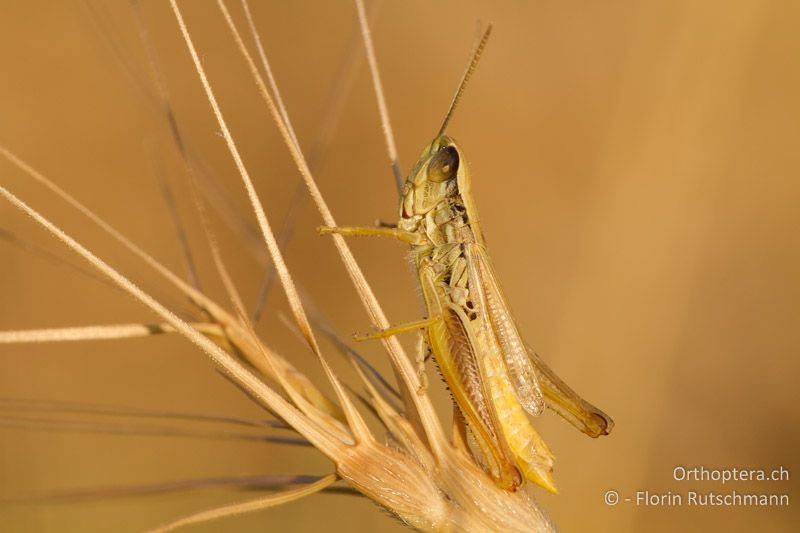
476, 55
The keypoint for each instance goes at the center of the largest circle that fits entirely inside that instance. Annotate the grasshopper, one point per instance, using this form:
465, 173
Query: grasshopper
496, 381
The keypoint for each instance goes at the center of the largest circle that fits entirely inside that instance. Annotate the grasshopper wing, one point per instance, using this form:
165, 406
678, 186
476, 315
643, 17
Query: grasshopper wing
535, 383
498, 325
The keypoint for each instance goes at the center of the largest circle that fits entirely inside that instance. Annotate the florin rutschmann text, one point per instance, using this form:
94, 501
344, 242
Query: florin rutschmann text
695, 497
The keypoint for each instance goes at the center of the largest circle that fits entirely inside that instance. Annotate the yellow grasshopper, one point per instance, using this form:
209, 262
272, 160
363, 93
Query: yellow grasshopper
495, 379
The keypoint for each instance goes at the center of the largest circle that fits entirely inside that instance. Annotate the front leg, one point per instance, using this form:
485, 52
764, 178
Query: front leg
360, 231
402, 328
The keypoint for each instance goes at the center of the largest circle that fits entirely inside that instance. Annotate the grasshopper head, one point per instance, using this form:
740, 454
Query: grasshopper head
440, 174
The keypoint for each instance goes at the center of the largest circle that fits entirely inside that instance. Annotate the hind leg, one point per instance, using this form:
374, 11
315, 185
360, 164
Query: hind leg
422, 356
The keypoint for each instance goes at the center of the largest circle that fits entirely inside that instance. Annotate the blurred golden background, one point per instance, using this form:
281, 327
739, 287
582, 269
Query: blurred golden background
635, 165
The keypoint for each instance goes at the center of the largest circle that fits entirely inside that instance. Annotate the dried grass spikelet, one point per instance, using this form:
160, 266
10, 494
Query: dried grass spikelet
430, 482
424, 479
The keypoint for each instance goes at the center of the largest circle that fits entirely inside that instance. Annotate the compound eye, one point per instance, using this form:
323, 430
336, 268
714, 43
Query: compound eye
444, 165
